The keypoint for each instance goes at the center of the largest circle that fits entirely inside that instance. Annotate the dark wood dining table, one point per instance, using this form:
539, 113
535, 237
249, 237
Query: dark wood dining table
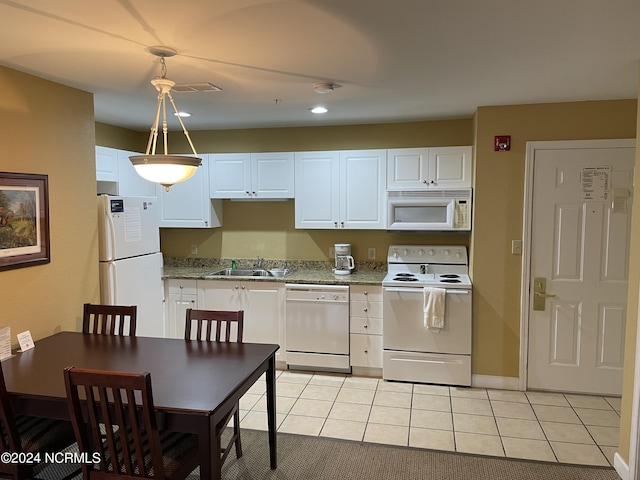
195, 383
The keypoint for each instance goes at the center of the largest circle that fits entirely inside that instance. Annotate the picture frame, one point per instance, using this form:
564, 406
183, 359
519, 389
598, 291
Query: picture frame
24, 220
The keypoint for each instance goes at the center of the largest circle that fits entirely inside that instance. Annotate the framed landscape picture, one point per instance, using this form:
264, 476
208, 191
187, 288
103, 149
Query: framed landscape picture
24, 220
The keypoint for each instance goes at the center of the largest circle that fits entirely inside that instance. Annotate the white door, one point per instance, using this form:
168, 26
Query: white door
580, 225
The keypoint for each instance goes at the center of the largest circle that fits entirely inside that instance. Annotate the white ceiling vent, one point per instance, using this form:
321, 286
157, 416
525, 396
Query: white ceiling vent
196, 87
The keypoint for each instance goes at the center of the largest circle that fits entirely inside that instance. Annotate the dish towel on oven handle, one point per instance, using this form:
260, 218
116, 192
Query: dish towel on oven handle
434, 300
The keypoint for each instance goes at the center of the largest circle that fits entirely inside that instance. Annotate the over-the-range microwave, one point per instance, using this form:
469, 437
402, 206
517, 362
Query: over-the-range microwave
438, 210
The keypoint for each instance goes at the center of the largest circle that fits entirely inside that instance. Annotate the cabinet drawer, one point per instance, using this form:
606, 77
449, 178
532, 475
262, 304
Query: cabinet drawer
364, 325
366, 293
366, 350
187, 287
366, 309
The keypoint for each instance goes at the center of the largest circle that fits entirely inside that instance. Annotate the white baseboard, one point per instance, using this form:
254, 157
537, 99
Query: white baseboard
498, 383
621, 467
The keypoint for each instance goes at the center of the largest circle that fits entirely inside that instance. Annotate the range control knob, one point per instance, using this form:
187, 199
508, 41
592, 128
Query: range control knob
432, 252
447, 252
405, 252
421, 252
458, 255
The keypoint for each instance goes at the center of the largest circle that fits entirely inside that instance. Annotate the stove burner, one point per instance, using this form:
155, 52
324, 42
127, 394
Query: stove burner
450, 275
405, 279
404, 275
450, 280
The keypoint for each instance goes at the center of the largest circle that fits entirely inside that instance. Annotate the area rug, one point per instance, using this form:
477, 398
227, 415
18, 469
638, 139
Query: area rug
319, 458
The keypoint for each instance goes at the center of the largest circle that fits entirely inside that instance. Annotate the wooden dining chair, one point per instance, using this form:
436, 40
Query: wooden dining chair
109, 319
217, 325
130, 446
23, 434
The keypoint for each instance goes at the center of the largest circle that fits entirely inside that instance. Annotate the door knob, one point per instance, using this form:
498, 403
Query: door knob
540, 293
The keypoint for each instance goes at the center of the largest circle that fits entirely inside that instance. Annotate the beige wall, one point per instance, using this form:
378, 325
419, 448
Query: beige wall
49, 129
632, 311
267, 229
498, 204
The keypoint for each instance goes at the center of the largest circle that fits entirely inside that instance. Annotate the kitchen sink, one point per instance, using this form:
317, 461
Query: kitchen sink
252, 272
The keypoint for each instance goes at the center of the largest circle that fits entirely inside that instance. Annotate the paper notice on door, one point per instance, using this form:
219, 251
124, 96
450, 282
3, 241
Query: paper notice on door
596, 183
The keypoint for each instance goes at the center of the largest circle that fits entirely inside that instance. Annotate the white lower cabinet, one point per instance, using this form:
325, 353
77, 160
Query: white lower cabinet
180, 295
366, 326
263, 304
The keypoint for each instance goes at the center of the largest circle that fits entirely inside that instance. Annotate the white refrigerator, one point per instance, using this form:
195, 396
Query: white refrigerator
130, 259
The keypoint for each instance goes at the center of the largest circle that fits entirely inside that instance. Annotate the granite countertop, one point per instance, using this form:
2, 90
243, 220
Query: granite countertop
366, 273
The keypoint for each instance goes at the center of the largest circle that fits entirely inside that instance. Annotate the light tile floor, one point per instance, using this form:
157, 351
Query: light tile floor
552, 427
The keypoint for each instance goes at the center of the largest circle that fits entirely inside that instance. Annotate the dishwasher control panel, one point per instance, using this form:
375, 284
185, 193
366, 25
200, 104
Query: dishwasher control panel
317, 293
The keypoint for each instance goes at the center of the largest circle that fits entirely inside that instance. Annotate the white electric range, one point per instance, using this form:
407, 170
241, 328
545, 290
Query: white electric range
411, 351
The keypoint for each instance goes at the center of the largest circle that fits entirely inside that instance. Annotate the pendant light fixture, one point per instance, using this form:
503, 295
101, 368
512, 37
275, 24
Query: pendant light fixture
163, 168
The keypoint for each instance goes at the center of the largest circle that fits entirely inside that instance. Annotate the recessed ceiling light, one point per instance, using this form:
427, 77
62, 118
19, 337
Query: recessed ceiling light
182, 114
318, 110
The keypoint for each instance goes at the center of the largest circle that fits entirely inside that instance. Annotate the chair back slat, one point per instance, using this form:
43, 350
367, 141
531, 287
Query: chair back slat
211, 324
109, 319
128, 439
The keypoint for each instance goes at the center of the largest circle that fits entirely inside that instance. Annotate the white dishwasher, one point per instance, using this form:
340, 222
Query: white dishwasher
317, 327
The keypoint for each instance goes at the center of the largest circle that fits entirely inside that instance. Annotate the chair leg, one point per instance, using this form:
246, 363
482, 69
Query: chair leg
236, 429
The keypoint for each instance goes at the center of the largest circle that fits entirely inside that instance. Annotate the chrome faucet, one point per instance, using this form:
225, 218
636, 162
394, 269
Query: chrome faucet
259, 262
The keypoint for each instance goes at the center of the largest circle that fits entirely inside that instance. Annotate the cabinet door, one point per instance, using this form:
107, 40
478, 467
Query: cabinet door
272, 175
187, 204
317, 189
180, 294
363, 189
408, 168
130, 184
106, 164
219, 295
450, 167
264, 312
230, 175
365, 350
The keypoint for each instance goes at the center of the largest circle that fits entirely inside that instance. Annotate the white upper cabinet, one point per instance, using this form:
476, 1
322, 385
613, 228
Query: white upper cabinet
251, 175
429, 168
116, 175
130, 184
187, 204
317, 189
106, 164
340, 189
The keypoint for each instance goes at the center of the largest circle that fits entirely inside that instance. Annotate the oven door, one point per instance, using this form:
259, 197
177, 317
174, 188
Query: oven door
403, 322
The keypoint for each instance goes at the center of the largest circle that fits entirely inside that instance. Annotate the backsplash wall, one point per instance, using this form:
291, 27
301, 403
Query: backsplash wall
267, 229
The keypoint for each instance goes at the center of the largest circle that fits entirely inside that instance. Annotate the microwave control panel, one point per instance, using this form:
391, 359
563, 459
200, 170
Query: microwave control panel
462, 218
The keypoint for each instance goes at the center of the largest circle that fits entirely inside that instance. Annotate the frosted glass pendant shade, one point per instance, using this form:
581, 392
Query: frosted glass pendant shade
165, 169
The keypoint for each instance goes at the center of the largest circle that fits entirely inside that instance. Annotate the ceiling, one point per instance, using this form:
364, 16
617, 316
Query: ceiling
391, 61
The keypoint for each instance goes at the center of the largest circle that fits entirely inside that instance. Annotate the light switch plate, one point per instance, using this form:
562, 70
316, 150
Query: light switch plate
516, 247
371, 253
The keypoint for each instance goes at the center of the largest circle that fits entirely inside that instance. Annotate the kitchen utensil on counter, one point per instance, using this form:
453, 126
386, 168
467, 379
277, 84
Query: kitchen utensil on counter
344, 263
